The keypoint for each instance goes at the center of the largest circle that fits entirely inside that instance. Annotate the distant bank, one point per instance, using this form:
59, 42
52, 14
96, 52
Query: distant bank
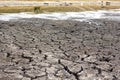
56, 6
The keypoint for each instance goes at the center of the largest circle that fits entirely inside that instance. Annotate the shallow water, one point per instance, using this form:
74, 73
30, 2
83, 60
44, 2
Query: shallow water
79, 16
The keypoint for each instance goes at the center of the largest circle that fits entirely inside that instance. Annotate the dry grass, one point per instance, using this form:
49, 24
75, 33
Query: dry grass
112, 7
60, 9
17, 9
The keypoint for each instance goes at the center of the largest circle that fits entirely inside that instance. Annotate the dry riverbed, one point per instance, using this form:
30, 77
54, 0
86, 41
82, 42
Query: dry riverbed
39, 49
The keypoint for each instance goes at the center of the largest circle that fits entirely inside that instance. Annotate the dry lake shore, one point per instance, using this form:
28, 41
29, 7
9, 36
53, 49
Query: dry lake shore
40, 49
56, 6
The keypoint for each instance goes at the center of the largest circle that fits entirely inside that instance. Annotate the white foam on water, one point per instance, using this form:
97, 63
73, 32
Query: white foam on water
79, 16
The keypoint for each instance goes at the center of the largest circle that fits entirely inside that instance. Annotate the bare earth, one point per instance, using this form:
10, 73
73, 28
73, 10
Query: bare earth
38, 49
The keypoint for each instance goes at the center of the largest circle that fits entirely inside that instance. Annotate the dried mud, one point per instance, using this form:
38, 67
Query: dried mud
38, 49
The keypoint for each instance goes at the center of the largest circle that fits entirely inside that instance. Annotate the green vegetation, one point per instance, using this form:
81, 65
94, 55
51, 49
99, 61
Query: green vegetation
37, 9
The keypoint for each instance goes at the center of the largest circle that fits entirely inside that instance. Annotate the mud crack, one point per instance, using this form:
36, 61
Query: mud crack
75, 74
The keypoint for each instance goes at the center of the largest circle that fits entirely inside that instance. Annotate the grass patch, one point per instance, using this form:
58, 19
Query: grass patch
60, 9
77, 8
16, 9
39, 9
112, 7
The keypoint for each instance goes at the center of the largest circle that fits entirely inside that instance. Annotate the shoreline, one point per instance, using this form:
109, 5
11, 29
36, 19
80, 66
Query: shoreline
112, 14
